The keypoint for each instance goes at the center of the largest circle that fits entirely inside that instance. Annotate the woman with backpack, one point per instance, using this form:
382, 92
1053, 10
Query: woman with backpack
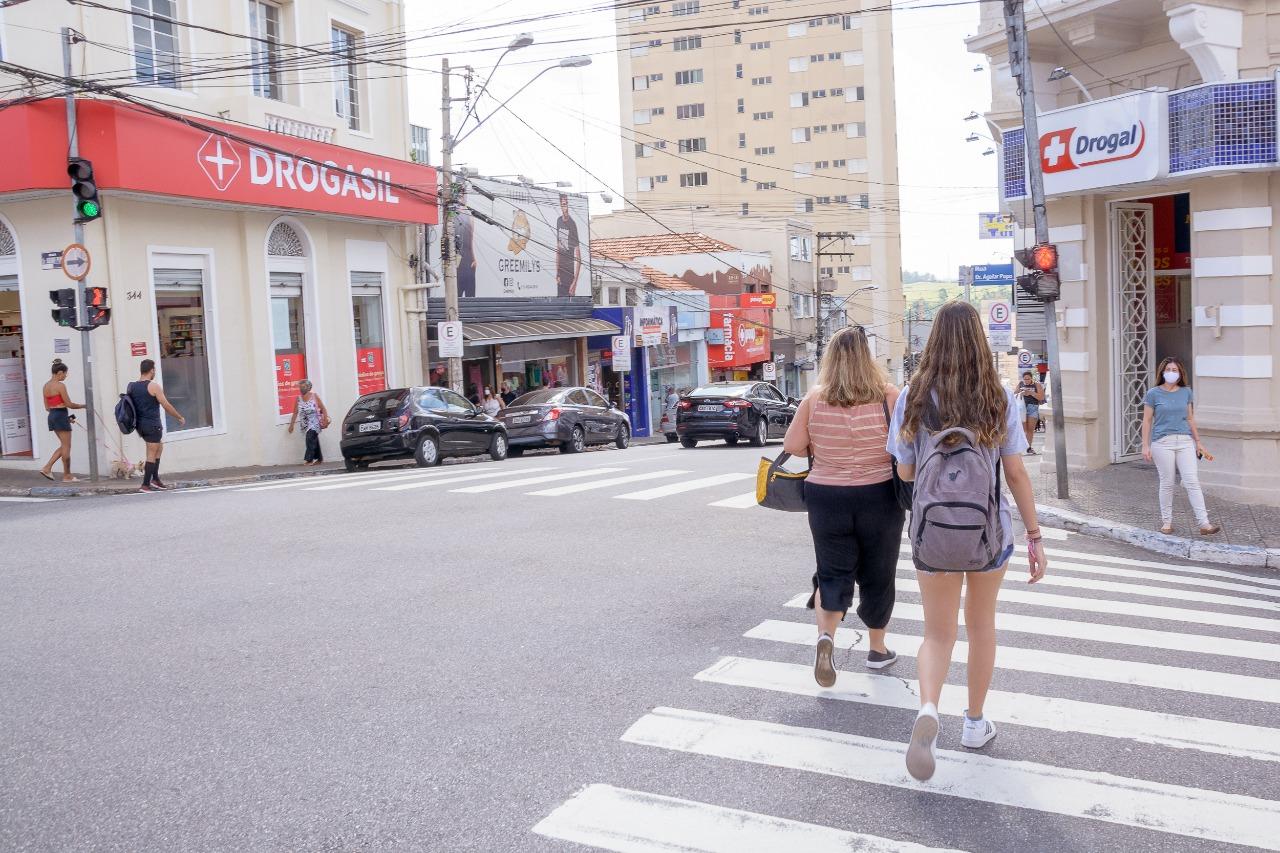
956, 433
854, 515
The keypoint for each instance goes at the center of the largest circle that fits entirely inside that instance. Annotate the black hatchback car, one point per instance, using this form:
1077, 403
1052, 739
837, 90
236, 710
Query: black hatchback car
567, 418
732, 411
423, 424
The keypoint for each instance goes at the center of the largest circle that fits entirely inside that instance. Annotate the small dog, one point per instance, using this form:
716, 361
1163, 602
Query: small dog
122, 470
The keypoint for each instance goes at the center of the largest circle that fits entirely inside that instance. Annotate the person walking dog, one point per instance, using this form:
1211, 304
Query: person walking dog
854, 516
1170, 439
309, 408
148, 399
57, 401
956, 434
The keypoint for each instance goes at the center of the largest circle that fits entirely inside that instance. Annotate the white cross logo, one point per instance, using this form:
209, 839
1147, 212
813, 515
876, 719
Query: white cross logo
220, 165
1054, 150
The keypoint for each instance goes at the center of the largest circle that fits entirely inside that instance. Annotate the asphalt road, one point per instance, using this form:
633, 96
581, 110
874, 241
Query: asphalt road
446, 660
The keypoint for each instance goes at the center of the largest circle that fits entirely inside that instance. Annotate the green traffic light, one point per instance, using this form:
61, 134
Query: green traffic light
90, 209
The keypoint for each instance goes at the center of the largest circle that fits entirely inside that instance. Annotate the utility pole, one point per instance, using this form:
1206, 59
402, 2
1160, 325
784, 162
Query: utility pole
86, 346
1020, 65
448, 257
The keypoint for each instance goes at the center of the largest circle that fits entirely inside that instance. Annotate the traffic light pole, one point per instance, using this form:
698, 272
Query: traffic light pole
86, 344
448, 254
1020, 65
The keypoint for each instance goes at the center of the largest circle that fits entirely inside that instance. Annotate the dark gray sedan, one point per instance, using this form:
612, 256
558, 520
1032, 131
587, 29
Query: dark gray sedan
567, 418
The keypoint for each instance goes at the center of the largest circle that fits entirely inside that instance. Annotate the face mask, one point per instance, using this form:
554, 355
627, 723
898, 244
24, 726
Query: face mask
1171, 377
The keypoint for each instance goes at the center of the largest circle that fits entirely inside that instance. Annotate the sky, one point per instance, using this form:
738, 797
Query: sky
946, 182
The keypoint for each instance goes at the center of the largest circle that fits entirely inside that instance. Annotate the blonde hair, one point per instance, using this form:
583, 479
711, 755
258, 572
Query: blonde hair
849, 376
956, 372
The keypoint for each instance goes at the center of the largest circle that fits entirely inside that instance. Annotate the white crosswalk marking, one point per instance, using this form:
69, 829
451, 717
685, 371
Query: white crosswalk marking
1167, 566
1022, 659
1043, 712
635, 822
306, 482
687, 486
557, 491
458, 476
25, 500
422, 475
532, 481
738, 501
1151, 806
1103, 633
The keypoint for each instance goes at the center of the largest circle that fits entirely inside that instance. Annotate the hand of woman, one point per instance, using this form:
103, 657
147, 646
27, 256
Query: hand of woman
291, 429
1146, 452
1204, 454
1036, 560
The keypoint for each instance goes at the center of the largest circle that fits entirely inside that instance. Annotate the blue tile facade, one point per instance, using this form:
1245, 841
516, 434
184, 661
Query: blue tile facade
1013, 178
1225, 124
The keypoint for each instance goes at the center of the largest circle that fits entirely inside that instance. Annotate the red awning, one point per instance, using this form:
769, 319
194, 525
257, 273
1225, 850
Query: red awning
135, 150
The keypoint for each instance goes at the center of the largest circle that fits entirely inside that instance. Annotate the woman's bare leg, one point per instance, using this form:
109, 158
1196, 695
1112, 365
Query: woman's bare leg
940, 594
983, 588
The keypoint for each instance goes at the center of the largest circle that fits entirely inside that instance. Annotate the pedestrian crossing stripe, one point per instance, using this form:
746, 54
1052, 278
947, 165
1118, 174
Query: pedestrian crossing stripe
1100, 632
687, 486
1057, 566
1023, 659
1090, 794
558, 491
531, 481
1048, 713
456, 476
627, 821
1167, 566
26, 500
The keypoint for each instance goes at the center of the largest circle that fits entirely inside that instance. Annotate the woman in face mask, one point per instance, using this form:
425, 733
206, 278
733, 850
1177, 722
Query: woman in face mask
1171, 440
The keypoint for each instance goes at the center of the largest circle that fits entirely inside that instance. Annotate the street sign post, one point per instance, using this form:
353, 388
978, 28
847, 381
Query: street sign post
621, 346
1025, 359
76, 262
770, 371
449, 338
999, 324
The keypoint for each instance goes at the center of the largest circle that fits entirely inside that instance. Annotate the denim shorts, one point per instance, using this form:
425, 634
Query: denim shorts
1033, 410
999, 564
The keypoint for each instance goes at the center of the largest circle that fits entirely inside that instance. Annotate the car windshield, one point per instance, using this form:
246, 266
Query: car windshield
722, 391
538, 398
380, 403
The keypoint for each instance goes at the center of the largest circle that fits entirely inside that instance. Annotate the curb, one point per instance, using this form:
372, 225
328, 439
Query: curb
178, 485
1150, 540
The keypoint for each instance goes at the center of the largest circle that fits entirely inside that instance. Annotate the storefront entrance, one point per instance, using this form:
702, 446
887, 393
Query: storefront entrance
15, 401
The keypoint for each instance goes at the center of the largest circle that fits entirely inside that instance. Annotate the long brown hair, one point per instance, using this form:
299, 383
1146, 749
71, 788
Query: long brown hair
849, 376
956, 368
1182, 371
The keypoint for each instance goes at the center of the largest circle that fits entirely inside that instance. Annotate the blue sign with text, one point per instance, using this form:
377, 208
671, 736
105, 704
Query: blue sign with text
992, 274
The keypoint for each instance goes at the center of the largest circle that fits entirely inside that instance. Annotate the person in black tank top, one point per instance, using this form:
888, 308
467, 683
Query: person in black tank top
148, 399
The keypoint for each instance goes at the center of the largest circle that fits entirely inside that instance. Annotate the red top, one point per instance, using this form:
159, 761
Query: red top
55, 401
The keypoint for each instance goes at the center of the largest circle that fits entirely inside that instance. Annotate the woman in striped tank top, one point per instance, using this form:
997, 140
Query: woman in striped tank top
843, 425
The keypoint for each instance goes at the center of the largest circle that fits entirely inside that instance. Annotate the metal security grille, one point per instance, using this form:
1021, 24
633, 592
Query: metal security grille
1013, 177
1222, 124
1134, 317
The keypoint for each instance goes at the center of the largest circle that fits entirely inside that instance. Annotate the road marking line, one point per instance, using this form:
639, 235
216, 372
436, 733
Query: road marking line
1151, 564
1020, 659
738, 501
1104, 633
1155, 806
423, 475
1022, 709
531, 481
1158, 592
626, 821
601, 484
442, 481
687, 486
16, 499
305, 482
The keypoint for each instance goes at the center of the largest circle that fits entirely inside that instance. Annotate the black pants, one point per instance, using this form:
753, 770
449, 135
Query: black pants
313, 453
857, 534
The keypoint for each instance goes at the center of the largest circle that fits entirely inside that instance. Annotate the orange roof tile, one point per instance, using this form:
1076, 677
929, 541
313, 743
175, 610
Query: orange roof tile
630, 248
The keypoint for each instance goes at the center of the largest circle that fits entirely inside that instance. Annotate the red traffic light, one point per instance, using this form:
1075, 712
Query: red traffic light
95, 297
1042, 257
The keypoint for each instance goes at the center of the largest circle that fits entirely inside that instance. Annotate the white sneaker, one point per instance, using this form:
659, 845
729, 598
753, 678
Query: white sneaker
977, 733
921, 751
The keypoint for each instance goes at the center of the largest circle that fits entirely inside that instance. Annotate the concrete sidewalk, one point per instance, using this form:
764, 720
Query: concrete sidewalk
1119, 502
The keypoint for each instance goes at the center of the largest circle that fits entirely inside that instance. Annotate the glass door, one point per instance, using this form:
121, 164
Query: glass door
288, 334
366, 313
184, 347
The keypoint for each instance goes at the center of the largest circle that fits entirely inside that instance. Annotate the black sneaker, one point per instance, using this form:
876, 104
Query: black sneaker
824, 670
880, 660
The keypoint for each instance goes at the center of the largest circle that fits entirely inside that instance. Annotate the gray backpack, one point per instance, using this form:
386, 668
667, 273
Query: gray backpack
955, 511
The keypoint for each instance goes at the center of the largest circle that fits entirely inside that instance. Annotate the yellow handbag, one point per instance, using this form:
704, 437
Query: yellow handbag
778, 488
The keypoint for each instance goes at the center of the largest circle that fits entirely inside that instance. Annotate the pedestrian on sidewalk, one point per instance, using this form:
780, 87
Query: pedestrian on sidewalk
1032, 394
57, 401
309, 408
148, 398
492, 404
842, 425
956, 386
1170, 439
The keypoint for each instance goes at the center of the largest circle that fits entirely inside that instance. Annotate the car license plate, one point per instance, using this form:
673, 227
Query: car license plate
709, 408
370, 427
523, 419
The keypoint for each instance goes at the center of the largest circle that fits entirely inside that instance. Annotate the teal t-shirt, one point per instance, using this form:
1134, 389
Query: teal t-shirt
1170, 411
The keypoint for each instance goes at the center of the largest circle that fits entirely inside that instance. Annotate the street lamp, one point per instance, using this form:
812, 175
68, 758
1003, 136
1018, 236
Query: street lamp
521, 41
1061, 73
567, 62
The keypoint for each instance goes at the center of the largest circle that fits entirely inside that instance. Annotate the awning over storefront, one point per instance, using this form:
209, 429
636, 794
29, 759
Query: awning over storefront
522, 331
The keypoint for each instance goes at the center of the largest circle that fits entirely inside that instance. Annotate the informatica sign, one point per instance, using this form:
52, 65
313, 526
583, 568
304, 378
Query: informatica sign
1107, 143
539, 246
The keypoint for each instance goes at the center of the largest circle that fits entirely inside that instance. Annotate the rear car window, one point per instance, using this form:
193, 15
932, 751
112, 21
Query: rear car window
721, 391
537, 398
379, 404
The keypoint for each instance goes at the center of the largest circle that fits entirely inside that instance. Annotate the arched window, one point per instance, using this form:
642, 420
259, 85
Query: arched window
284, 242
286, 275
7, 247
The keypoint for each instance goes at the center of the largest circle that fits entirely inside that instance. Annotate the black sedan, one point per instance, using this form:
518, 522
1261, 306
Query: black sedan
567, 418
423, 424
732, 411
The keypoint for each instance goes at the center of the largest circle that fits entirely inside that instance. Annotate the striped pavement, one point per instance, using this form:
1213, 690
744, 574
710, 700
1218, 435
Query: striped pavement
1083, 644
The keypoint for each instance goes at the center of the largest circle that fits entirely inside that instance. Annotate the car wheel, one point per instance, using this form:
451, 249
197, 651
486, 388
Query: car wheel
515, 452
672, 438
498, 447
761, 438
689, 443
624, 437
731, 440
428, 452
349, 463
577, 441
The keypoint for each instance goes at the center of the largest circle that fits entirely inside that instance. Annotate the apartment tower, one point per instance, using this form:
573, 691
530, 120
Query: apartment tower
771, 111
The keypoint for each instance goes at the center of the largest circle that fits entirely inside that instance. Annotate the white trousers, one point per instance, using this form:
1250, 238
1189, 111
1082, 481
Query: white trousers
1178, 453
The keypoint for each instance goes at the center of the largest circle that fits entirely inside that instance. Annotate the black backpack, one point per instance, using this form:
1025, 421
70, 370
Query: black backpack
126, 415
